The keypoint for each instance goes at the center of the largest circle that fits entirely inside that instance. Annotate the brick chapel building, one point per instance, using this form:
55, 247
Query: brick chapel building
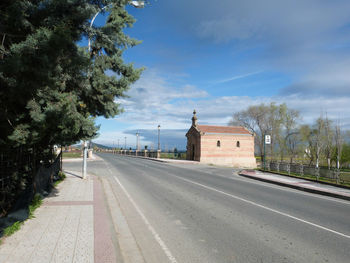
221, 145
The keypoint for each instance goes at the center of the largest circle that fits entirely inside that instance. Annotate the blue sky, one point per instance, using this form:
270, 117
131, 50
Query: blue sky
219, 57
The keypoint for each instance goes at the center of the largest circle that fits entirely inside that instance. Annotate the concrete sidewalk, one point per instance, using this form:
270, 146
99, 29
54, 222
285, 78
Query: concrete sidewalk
72, 225
297, 183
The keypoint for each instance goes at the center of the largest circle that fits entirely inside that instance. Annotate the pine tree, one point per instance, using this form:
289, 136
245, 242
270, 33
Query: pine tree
50, 88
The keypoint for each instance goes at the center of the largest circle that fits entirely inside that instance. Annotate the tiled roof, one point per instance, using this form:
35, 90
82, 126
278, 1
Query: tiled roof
222, 129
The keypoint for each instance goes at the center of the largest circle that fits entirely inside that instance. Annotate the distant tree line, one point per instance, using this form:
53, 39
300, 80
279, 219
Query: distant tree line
322, 143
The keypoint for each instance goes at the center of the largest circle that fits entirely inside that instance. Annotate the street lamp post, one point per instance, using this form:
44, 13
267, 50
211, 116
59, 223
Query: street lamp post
84, 158
137, 141
137, 4
158, 137
125, 143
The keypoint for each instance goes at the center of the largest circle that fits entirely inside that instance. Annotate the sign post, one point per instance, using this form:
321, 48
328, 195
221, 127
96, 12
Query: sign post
266, 141
84, 158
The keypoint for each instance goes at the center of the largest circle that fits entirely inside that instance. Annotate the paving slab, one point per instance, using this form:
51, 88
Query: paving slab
65, 227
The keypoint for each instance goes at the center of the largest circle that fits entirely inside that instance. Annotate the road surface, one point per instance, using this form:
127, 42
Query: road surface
199, 213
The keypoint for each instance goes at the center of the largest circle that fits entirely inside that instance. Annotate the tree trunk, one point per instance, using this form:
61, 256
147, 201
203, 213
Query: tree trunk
329, 163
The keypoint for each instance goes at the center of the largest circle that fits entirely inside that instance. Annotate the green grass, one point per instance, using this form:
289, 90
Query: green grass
8, 231
61, 176
36, 202
345, 177
71, 154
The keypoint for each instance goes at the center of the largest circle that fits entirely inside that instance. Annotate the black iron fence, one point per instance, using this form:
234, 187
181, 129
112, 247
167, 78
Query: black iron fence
22, 170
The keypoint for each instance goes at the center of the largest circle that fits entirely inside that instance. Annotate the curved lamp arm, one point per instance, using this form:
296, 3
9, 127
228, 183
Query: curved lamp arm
136, 4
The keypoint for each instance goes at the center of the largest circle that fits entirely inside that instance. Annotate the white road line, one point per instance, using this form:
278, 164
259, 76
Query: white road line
149, 226
255, 182
250, 181
265, 207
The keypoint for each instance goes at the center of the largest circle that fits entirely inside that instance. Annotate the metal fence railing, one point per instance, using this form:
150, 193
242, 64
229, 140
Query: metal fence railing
318, 173
20, 171
151, 153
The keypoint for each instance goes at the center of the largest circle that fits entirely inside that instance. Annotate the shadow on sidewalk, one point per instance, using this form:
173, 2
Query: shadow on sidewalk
75, 175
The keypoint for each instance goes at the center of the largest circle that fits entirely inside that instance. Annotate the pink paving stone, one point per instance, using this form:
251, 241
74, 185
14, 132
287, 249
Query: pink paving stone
104, 248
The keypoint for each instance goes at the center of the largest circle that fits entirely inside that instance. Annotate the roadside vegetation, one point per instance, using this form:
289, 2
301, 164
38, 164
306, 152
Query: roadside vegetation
173, 155
321, 143
52, 88
35, 204
10, 230
67, 155
61, 177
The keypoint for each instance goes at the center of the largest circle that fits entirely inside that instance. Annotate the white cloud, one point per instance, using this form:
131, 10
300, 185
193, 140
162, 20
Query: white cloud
153, 101
308, 41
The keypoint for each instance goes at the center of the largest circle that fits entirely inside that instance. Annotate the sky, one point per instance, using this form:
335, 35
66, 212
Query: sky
220, 57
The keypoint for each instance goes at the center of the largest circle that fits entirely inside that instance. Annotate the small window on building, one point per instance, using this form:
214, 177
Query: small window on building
238, 144
218, 144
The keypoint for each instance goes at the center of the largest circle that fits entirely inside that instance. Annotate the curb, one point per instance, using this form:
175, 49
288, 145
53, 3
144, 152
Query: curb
305, 189
129, 249
307, 179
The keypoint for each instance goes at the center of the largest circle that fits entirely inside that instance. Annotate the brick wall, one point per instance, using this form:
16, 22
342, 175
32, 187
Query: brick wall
228, 153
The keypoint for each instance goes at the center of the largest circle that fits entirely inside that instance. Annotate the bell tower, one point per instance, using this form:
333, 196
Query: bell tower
194, 119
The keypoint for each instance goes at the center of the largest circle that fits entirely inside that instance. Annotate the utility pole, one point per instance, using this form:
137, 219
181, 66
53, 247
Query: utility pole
136, 4
266, 141
137, 141
84, 158
159, 137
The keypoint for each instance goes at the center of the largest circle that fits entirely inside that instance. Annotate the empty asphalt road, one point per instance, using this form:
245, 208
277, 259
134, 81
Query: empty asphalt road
197, 213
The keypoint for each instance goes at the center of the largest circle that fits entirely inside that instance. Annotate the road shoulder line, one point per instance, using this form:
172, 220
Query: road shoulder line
298, 187
127, 242
147, 223
266, 208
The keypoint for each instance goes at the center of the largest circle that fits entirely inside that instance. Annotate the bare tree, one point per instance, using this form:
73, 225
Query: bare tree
255, 120
306, 137
290, 120
275, 115
275, 120
328, 140
339, 143
318, 137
